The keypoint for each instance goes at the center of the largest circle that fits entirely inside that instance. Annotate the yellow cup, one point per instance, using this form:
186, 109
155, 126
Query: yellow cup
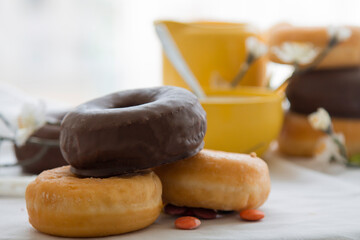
214, 51
242, 120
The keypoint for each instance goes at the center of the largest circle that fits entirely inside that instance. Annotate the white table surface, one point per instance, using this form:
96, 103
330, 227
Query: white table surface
303, 204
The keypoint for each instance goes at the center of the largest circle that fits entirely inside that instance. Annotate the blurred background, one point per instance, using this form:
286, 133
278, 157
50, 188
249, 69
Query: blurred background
74, 50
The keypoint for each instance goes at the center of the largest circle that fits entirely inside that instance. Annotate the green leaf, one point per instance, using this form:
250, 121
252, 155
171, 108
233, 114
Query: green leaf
355, 159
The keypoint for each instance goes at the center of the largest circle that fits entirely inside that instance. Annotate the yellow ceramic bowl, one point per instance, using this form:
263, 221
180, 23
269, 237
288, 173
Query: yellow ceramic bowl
242, 120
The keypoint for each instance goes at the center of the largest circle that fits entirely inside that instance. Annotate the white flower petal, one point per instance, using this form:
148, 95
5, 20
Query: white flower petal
320, 120
344, 34
22, 135
255, 47
331, 31
280, 53
261, 51
339, 33
290, 49
251, 43
308, 57
32, 116
293, 52
327, 150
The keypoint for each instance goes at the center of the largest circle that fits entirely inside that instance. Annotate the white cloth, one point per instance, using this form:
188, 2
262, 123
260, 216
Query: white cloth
303, 204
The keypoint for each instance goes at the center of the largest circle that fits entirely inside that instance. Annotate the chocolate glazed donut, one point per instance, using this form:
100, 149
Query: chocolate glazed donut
52, 158
132, 130
338, 91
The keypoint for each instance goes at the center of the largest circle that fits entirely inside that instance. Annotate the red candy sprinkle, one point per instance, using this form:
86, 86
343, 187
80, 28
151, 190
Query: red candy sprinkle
252, 215
187, 223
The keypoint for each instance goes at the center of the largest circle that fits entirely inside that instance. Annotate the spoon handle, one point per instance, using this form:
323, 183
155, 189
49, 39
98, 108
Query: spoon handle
282, 88
173, 54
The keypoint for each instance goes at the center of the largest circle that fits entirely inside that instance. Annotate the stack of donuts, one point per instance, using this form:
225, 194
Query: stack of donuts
334, 85
114, 143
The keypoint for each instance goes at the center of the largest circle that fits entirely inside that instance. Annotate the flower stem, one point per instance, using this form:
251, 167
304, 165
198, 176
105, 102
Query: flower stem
45, 142
6, 139
331, 44
297, 70
7, 123
243, 70
342, 147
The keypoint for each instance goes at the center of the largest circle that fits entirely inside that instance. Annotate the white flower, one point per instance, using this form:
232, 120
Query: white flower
339, 33
31, 118
327, 151
22, 136
320, 120
294, 52
255, 47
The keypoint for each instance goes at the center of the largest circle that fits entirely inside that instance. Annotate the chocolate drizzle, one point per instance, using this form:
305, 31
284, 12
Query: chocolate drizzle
132, 130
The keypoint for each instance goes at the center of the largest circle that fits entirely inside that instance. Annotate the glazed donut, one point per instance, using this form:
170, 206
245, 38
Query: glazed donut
132, 130
61, 204
345, 54
53, 157
298, 138
336, 90
216, 180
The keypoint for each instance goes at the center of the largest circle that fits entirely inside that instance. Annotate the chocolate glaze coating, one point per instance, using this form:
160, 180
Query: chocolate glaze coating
338, 91
132, 130
52, 158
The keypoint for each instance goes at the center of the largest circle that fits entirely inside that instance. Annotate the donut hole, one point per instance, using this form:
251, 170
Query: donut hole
131, 103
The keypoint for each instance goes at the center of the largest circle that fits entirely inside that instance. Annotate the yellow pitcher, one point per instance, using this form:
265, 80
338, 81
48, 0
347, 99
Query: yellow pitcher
214, 51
